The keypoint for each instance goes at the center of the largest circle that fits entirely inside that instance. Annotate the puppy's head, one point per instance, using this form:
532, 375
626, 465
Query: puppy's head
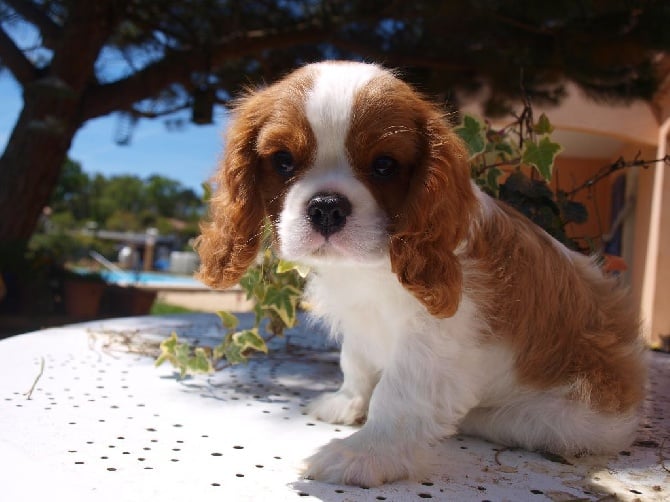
352, 166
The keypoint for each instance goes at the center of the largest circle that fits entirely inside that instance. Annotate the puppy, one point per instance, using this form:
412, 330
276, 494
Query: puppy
455, 312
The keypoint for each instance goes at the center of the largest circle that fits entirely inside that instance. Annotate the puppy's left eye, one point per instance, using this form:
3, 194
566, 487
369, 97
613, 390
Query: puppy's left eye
282, 161
384, 167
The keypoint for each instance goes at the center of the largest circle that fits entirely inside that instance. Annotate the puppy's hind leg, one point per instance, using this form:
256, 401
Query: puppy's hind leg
549, 422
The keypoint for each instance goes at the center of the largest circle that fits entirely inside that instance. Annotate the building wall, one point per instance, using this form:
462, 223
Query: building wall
637, 225
660, 326
570, 173
639, 180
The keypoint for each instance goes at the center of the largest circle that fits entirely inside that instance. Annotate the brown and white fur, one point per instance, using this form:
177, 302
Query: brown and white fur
454, 311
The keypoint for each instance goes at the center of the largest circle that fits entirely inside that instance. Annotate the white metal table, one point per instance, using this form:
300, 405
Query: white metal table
102, 423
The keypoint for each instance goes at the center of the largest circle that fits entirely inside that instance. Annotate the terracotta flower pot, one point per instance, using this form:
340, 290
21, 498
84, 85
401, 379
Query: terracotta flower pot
127, 301
82, 298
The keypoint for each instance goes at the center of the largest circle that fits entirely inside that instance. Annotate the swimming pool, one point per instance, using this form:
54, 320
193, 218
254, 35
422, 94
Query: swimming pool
150, 279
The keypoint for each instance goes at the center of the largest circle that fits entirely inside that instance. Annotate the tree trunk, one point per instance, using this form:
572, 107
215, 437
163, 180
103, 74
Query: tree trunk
51, 115
32, 160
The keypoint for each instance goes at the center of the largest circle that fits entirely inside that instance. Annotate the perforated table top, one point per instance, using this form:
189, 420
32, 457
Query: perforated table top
102, 423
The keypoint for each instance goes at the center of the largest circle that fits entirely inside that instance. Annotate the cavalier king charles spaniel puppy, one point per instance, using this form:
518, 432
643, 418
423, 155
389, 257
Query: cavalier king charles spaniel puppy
455, 312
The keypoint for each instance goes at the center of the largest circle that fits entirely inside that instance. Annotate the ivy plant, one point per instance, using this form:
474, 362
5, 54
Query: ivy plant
275, 286
515, 164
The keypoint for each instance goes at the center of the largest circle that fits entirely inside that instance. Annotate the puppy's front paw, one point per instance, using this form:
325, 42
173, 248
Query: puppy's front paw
339, 408
354, 462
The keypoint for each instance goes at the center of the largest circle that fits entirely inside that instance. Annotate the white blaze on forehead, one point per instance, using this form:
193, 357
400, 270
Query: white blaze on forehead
330, 101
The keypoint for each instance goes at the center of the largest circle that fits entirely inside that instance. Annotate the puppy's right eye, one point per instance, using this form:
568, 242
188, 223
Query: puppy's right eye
282, 161
384, 167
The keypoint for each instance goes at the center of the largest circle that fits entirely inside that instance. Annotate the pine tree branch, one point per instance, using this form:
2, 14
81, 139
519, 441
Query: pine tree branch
177, 67
136, 112
394, 59
49, 30
15, 60
87, 30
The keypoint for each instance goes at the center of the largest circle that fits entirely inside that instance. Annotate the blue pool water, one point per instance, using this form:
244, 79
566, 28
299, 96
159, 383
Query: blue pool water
149, 279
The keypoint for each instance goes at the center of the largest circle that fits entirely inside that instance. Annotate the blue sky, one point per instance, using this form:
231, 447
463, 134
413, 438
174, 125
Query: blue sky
188, 155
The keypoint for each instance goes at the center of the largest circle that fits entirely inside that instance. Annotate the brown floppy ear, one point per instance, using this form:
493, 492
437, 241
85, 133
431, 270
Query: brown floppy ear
230, 240
434, 221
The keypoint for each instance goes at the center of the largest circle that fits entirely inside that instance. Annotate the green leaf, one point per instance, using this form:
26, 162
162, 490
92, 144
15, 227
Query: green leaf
492, 177
504, 149
541, 155
473, 133
207, 191
284, 301
543, 126
169, 344
182, 353
201, 362
183, 357
286, 266
220, 350
250, 280
259, 313
168, 348
250, 339
236, 347
229, 321
234, 354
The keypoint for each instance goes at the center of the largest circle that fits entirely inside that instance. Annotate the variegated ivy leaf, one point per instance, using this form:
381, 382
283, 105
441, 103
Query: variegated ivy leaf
250, 281
283, 301
250, 339
541, 155
241, 342
504, 149
201, 361
543, 126
473, 132
183, 357
233, 354
492, 177
168, 347
229, 321
286, 266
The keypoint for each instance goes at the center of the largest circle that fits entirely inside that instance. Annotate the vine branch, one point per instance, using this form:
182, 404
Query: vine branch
617, 165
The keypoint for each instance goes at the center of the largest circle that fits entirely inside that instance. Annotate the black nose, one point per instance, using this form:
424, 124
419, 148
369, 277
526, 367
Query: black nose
327, 212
